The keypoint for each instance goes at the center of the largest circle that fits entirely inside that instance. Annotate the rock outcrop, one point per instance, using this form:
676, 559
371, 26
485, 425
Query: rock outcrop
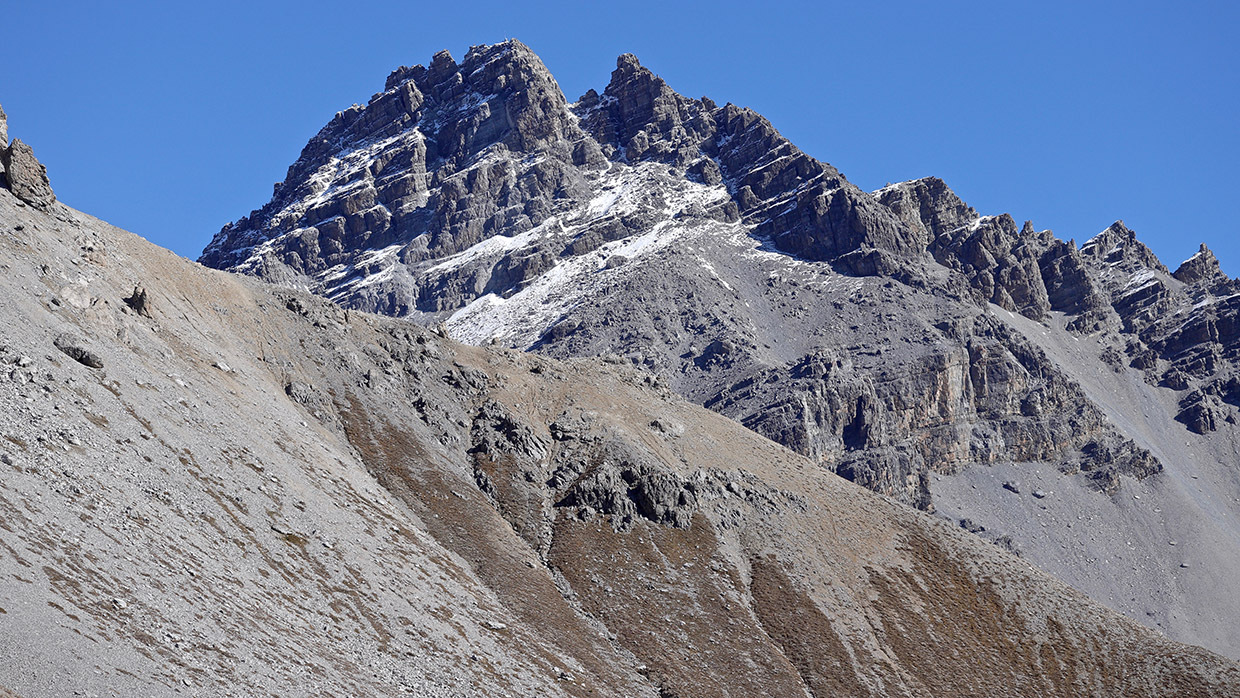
1202, 268
21, 173
477, 222
445, 157
804, 206
927, 206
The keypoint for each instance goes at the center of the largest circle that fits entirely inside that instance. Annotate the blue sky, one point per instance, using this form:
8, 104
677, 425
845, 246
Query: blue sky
171, 119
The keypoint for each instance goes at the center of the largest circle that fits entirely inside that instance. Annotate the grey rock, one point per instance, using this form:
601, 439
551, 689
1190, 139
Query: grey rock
25, 176
455, 164
1201, 268
1001, 263
995, 397
139, 301
927, 206
78, 353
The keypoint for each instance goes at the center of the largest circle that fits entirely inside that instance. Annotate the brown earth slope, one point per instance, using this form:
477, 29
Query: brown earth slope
214, 486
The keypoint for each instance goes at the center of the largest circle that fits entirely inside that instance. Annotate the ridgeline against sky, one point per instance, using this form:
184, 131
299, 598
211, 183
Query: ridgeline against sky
168, 120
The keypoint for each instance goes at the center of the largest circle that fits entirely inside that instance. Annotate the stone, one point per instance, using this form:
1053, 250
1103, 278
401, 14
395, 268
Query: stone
79, 354
668, 427
25, 176
927, 206
139, 301
1012, 486
1001, 263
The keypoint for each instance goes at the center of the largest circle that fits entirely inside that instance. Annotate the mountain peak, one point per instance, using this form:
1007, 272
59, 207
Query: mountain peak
1118, 246
627, 62
1201, 267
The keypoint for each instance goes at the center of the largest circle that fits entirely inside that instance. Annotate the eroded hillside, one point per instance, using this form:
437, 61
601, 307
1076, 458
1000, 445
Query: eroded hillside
217, 486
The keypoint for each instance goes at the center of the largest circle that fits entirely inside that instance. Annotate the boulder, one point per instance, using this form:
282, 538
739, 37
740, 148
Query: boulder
25, 176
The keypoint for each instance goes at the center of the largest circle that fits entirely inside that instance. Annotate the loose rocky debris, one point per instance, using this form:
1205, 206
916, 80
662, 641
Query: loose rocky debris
378, 510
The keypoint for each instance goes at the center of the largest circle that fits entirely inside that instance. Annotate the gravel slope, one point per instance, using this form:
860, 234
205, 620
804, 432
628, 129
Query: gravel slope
255, 492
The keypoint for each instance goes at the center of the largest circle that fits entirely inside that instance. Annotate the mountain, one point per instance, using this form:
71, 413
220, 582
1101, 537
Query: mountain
1075, 404
217, 486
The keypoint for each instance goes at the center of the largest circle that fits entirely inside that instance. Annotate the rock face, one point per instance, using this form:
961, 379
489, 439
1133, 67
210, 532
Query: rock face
258, 492
894, 337
20, 172
1200, 269
804, 206
444, 158
463, 187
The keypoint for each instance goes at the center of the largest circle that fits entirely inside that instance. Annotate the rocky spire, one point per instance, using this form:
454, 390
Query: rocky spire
4, 129
1201, 267
646, 118
806, 207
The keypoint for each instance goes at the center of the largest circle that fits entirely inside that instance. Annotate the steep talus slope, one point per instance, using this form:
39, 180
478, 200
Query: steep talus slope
215, 486
880, 334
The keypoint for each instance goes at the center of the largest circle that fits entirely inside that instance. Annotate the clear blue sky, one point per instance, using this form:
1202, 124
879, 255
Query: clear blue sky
171, 119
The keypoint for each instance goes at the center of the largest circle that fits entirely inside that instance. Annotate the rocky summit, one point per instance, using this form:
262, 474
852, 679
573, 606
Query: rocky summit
897, 338
221, 487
